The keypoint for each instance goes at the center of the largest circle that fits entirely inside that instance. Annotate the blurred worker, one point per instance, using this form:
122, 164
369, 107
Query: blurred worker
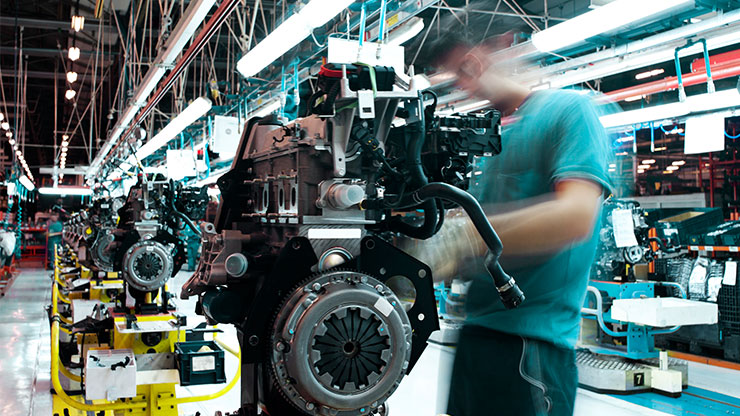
542, 194
54, 237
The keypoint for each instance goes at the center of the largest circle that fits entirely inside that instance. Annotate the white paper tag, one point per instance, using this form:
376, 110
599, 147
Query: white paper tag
730, 278
204, 363
624, 228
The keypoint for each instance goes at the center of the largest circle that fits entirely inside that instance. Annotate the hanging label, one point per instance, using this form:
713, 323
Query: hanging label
730, 278
624, 228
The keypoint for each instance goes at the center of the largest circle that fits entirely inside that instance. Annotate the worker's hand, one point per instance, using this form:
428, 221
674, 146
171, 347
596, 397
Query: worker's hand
448, 251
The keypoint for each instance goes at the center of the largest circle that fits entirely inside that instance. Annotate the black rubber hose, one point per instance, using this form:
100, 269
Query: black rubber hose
426, 230
441, 212
185, 218
468, 203
662, 245
510, 294
413, 152
418, 179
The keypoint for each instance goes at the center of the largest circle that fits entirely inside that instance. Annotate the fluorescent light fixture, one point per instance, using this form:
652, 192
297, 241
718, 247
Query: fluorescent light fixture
267, 109
612, 170
2, 116
648, 161
78, 23
187, 25
672, 168
660, 149
5, 125
679, 163
633, 98
640, 171
701, 103
27, 183
643, 167
648, 74
292, 31
74, 53
71, 77
406, 31
610, 17
198, 108
70, 94
66, 190
644, 115
612, 165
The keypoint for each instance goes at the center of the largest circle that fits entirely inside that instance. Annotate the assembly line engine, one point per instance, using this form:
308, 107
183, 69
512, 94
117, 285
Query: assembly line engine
330, 314
88, 232
144, 246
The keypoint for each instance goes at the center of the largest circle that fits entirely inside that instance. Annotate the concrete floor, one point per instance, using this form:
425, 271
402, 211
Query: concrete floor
25, 380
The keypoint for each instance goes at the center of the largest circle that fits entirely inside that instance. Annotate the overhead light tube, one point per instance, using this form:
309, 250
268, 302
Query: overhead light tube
26, 182
66, 190
607, 18
193, 112
292, 31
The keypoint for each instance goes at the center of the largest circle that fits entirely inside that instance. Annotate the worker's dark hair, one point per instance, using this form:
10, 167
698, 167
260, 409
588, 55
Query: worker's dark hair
438, 45
452, 35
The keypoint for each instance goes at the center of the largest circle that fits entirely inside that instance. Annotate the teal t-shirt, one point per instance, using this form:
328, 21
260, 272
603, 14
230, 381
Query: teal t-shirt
556, 135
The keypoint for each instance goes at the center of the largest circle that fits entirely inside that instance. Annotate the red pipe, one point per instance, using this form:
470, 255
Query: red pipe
718, 59
720, 71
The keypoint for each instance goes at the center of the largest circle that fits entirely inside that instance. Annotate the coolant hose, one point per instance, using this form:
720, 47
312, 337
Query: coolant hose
185, 219
426, 230
510, 294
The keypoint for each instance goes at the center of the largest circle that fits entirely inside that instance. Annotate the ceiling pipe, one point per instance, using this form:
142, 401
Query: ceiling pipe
720, 71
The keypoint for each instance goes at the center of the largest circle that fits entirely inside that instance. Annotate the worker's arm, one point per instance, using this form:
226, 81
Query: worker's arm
529, 235
547, 227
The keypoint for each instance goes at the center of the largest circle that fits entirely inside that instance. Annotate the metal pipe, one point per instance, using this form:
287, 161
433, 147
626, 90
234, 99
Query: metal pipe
720, 71
600, 315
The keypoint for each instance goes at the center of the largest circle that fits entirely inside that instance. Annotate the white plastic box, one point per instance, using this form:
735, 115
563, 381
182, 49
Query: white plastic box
110, 374
664, 312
